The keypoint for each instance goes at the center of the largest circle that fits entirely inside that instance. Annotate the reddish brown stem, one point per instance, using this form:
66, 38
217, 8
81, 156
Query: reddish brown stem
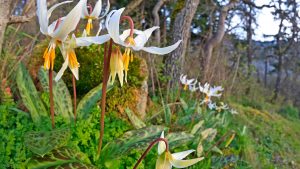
106, 61
149, 148
51, 97
131, 23
75, 97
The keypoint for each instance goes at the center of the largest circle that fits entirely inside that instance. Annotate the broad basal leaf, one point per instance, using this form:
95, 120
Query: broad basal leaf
135, 139
61, 158
135, 121
89, 101
30, 96
61, 94
42, 142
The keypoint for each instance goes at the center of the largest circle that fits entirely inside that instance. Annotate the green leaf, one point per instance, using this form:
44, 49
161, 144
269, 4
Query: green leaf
61, 158
197, 127
42, 142
61, 94
179, 138
184, 105
30, 96
89, 101
136, 121
167, 112
135, 139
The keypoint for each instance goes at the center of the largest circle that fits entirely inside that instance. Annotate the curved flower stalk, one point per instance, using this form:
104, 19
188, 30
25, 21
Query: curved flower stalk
93, 14
210, 92
166, 160
68, 52
187, 82
130, 42
58, 30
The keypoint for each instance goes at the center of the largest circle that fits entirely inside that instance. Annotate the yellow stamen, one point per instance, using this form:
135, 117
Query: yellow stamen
128, 56
185, 87
73, 59
89, 26
49, 57
207, 99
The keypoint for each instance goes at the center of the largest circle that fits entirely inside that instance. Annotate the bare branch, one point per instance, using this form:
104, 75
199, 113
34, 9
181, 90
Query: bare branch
249, 2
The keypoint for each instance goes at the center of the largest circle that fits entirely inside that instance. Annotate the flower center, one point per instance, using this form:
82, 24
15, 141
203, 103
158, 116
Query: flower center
116, 65
89, 26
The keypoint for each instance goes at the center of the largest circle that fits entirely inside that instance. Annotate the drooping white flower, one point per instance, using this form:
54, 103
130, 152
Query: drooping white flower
59, 30
166, 160
132, 43
210, 92
221, 107
186, 82
93, 14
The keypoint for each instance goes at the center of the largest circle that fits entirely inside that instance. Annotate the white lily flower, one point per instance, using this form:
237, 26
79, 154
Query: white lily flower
68, 52
166, 160
186, 82
211, 105
210, 92
58, 30
93, 14
131, 43
193, 87
222, 106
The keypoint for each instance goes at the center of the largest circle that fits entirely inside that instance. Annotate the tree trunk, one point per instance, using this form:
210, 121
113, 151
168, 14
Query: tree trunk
5, 10
181, 31
215, 39
155, 13
131, 6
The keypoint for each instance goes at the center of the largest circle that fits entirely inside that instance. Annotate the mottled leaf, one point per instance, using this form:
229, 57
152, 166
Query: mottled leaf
42, 142
135, 121
89, 101
179, 138
197, 127
135, 139
29, 95
60, 159
61, 95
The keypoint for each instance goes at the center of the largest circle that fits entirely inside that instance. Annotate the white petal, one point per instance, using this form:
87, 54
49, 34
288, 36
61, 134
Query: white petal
86, 41
161, 145
125, 35
54, 7
53, 24
185, 163
99, 30
182, 155
144, 36
62, 69
113, 26
42, 16
97, 9
75, 73
162, 51
84, 11
70, 22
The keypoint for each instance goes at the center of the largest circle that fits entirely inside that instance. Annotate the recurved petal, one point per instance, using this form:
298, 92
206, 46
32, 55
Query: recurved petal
97, 9
86, 41
182, 155
62, 69
70, 22
113, 25
161, 51
125, 35
184, 163
42, 16
161, 148
143, 36
54, 7
162, 162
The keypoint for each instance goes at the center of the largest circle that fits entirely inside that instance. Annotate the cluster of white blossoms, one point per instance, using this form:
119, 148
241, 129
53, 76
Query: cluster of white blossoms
208, 90
60, 34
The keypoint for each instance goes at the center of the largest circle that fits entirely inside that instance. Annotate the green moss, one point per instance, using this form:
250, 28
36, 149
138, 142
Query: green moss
177, 8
